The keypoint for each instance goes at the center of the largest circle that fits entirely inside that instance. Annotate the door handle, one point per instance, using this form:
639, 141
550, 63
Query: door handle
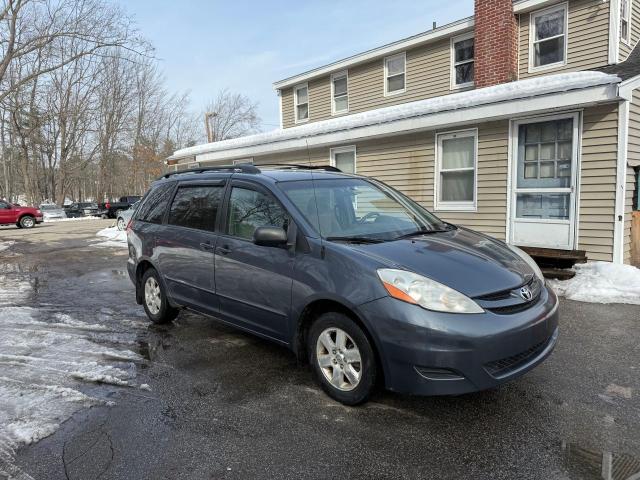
224, 250
206, 246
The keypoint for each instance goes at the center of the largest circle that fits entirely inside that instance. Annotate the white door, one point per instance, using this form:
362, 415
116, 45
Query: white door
543, 197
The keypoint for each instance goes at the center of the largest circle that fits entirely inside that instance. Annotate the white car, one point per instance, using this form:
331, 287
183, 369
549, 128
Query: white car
51, 211
125, 215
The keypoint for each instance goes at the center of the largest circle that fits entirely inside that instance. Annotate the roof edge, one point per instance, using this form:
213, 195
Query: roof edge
444, 31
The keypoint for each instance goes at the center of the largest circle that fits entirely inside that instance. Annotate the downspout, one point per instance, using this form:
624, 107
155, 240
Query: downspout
621, 182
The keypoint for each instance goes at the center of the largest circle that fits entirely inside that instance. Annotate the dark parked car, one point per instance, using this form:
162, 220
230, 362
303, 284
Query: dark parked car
21, 217
114, 209
350, 274
83, 209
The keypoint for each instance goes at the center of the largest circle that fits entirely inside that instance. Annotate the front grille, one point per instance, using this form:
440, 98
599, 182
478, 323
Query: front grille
504, 366
507, 302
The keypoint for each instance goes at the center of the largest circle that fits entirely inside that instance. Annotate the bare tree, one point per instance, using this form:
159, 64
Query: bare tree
230, 115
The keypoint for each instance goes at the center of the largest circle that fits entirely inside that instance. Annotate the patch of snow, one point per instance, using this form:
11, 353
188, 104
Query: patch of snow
601, 282
14, 290
6, 245
48, 364
73, 219
114, 238
527, 88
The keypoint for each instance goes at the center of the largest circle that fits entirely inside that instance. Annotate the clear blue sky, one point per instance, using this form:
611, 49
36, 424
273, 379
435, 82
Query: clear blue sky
207, 45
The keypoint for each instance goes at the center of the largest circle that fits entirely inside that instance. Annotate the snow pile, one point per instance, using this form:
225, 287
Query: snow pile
499, 93
49, 366
601, 282
113, 236
6, 245
72, 219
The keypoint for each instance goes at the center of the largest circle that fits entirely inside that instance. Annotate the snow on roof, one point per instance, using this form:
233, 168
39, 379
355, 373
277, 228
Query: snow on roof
498, 93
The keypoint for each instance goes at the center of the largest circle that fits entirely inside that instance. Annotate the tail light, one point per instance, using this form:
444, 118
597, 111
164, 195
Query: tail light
128, 229
107, 206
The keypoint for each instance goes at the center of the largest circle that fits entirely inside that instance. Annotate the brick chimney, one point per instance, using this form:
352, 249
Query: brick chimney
496, 43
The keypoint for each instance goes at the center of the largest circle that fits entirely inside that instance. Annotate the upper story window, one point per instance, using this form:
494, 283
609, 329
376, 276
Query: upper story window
462, 61
301, 102
394, 74
548, 38
339, 92
625, 16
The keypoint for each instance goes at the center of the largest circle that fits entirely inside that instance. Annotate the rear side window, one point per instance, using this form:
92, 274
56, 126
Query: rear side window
155, 204
196, 207
249, 209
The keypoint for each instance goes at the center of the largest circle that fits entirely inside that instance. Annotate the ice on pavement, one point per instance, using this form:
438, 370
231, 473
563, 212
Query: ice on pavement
52, 365
6, 245
601, 282
113, 237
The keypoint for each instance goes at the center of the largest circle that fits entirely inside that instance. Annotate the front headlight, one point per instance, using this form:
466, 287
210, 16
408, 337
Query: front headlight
413, 288
527, 258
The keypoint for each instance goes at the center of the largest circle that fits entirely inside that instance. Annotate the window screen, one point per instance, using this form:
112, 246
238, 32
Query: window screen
250, 209
154, 204
196, 207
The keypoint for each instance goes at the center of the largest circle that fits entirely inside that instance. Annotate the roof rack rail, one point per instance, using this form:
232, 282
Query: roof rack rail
295, 166
239, 168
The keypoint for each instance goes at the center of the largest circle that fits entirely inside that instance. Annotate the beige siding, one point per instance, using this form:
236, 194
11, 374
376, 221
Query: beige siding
427, 75
625, 50
588, 35
633, 152
598, 181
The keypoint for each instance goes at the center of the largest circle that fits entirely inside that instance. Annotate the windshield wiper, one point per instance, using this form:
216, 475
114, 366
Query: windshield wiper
354, 239
423, 231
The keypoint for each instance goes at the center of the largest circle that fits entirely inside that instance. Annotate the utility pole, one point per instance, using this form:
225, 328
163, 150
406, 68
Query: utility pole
207, 125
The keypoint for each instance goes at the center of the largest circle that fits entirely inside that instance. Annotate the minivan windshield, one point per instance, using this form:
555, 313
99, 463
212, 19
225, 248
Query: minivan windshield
359, 210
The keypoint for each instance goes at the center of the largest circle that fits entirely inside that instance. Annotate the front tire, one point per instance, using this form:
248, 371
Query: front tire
120, 223
27, 222
154, 299
342, 358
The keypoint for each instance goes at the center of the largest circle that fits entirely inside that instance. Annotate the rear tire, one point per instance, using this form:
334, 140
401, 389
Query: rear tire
342, 358
27, 222
154, 298
120, 223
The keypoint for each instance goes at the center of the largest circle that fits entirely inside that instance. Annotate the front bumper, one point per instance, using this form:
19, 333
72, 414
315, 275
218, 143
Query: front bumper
39, 219
431, 353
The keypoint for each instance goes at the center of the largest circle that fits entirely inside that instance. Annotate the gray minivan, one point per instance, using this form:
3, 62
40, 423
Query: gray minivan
351, 275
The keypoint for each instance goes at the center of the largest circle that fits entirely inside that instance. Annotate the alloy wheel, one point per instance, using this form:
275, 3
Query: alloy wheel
152, 295
339, 359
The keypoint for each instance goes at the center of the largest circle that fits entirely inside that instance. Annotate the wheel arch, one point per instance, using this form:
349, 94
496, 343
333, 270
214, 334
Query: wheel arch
316, 307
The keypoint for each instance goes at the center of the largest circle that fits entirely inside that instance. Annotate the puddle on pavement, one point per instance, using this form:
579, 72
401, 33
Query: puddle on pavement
593, 464
19, 268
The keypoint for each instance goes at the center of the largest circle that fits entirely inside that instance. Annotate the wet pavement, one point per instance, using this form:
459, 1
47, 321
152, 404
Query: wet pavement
223, 404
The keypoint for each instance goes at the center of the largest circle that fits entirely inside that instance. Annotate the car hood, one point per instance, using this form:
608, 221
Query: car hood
462, 259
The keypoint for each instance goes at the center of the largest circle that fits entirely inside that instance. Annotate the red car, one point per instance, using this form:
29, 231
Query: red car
21, 217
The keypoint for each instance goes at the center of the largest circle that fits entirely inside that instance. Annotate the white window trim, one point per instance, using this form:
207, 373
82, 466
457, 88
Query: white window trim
452, 71
344, 149
562, 6
384, 60
626, 41
295, 103
447, 206
334, 76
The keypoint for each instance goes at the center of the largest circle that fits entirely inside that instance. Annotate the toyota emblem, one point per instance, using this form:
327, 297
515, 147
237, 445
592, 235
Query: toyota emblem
526, 294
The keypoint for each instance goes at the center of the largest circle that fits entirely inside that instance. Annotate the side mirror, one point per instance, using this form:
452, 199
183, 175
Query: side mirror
270, 236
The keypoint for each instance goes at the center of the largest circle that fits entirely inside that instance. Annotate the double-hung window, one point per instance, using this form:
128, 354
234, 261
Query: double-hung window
456, 164
301, 100
462, 61
625, 16
395, 74
340, 92
548, 38
344, 158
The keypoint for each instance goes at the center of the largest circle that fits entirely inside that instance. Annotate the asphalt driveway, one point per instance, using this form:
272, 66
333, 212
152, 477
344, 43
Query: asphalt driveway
222, 404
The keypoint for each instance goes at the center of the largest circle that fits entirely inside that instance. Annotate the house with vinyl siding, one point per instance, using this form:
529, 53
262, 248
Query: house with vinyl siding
521, 121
